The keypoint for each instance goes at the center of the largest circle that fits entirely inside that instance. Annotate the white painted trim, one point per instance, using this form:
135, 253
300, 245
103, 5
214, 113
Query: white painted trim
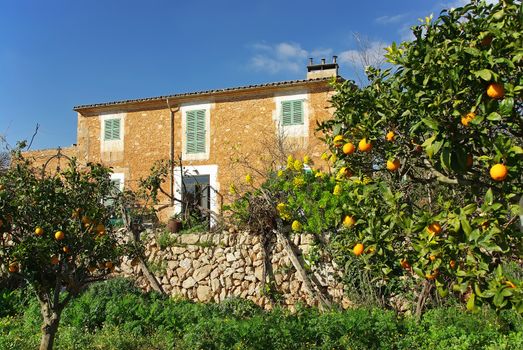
121, 177
191, 107
211, 170
292, 130
112, 145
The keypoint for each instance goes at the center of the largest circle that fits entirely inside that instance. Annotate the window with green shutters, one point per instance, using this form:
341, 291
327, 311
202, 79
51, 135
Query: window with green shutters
112, 129
292, 112
195, 131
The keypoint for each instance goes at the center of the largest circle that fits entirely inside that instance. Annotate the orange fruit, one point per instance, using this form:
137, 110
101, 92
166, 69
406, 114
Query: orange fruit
13, 267
405, 264
432, 257
465, 120
390, 136
39, 231
452, 264
59, 235
100, 228
358, 249
54, 260
338, 141
510, 284
348, 148
393, 165
496, 91
498, 172
434, 228
66, 249
348, 221
433, 275
364, 146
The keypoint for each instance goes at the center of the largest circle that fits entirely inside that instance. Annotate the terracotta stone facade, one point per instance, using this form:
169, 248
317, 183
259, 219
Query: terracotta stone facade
243, 131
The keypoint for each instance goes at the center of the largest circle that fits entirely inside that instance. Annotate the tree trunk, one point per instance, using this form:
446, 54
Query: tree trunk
153, 281
323, 300
49, 327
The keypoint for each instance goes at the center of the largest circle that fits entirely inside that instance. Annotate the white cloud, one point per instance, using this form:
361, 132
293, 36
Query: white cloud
390, 19
283, 57
369, 53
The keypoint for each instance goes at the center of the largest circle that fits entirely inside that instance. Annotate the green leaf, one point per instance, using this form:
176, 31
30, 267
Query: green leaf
494, 116
472, 51
485, 74
506, 106
445, 158
489, 197
431, 123
465, 226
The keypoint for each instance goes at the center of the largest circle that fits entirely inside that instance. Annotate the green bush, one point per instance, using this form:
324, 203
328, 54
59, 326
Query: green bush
116, 315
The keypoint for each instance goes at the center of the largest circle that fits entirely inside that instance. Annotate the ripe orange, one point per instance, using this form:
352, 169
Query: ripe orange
348, 221
430, 276
405, 264
338, 141
348, 148
393, 165
434, 228
496, 91
358, 249
39, 231
66, 249
100, 229
498, 172
390, 136
465, 120
13, 267
54, 260
364, 146
452, 264
59, 235
432, 257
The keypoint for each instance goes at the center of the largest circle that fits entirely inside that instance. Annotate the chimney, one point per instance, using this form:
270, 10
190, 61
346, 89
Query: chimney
322, 70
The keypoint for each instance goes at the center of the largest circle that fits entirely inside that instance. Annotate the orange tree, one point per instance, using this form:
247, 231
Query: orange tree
426, 165
55, 233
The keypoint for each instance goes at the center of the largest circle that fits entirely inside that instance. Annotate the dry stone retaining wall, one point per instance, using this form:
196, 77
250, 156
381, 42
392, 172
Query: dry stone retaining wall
211, 267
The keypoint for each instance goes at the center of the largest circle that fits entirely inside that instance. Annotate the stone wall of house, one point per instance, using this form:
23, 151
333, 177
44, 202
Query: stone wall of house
212, 267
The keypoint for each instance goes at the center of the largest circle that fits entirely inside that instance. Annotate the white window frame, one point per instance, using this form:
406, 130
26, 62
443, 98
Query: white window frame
212, 171
191, 107
301, 130
112, 145
121, 178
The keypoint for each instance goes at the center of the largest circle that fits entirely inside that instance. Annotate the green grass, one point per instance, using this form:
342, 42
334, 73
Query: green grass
116, 315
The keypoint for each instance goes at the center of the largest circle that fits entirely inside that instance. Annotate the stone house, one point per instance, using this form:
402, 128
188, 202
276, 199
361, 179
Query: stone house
219, 135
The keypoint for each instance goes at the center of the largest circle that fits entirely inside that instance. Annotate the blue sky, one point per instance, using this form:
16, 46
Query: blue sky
58, 54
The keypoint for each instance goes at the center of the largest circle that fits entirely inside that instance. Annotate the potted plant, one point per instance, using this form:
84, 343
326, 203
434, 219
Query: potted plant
174, 224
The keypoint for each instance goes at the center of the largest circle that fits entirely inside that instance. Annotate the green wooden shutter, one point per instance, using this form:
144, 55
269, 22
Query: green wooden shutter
286, 113
200, 134
292, 112
112, 129
195, 131
297, 112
